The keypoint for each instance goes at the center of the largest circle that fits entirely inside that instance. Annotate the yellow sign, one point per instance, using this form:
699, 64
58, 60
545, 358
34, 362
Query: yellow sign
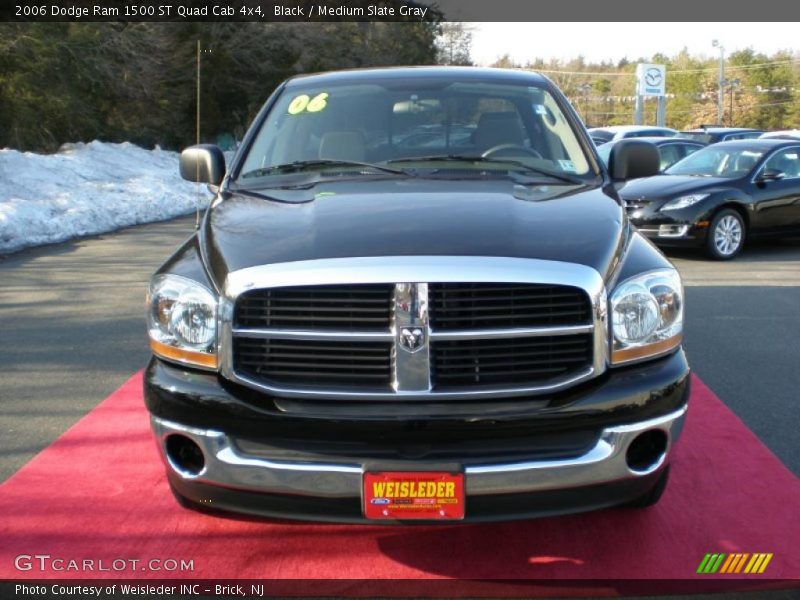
414, 489
305, 103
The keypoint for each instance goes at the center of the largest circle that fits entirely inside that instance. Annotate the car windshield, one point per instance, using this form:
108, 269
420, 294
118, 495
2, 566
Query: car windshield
393, 127
718, 161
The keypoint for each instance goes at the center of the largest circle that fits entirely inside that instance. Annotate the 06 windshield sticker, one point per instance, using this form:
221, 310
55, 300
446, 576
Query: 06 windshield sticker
305, 103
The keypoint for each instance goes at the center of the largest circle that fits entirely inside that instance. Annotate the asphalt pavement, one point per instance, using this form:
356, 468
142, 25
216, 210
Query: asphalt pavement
72, 331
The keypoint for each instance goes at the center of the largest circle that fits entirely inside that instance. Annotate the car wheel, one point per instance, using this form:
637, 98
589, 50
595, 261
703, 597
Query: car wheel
725, 235
653, 496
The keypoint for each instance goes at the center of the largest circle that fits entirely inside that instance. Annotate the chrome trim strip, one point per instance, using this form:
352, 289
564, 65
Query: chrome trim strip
225, 337
321, 335
428, 269
411, 355
226, 466
681, 232
489, 334
605, 462
388, 336
313, 393
414, 269
602, 330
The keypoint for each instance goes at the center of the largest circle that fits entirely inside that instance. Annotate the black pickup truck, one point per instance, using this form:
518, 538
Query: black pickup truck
416, 296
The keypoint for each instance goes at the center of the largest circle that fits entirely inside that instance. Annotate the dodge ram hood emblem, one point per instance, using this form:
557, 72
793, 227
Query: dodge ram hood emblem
412, 338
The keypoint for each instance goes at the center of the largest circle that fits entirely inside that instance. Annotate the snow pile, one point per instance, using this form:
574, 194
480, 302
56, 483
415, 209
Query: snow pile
88, 189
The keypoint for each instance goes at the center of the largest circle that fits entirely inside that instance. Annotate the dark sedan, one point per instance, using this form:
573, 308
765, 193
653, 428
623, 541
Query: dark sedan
670, 149
712, 135
721, 195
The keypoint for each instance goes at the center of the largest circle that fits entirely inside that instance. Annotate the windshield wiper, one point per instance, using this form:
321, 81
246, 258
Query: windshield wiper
300, 166
518, 165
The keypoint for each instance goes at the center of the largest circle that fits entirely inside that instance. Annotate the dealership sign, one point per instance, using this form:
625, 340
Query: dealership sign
651, 79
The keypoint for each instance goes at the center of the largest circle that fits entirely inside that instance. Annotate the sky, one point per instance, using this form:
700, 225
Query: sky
612, 41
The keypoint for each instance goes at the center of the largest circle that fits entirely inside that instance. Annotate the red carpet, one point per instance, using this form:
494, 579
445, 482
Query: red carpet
99, 492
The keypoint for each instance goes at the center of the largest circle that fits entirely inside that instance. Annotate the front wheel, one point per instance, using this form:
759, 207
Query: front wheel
725, 235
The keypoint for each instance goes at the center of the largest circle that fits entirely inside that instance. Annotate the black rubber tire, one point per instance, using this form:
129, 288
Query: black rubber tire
711, 248
653, 496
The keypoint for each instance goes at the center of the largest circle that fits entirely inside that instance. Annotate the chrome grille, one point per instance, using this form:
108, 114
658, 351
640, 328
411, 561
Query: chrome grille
317, 307
494, 305
521, 361
516, 327
316, 363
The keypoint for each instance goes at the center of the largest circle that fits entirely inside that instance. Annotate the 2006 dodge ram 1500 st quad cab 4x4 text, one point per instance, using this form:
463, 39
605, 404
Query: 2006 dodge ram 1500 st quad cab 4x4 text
416, 296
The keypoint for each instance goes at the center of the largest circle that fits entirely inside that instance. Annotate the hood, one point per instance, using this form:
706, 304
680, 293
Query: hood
669, 186
571, 223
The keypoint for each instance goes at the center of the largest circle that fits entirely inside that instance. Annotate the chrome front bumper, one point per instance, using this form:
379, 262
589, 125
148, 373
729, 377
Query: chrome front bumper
228, 467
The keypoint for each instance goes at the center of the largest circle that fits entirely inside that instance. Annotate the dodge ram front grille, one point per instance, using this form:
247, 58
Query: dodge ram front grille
307, 362
521, 361
494, 305
296, 331
317, 307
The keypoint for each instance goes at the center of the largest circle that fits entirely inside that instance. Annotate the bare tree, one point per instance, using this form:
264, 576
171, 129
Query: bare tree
455, 44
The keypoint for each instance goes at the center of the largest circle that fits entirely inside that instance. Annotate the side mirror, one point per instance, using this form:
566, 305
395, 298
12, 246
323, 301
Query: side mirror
771, 175
631, 159
203, 163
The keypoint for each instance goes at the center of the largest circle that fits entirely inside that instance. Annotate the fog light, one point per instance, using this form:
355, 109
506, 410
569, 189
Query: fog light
184, 455
672, 231
647, 451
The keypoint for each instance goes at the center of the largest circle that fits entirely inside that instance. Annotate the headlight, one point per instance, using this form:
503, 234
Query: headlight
646, 315
684, 201
182, 321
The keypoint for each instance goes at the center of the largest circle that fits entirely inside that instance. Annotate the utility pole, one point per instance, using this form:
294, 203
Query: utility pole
661, 112
732, 85
638, 110
197, 138
721, 90
584, 89
198, 93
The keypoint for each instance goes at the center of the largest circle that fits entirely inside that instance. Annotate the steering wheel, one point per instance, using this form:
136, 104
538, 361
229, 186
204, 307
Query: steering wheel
500, 147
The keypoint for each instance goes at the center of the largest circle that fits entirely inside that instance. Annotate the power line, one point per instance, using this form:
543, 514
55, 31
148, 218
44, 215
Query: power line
669, 71
705, 95
739, 67
688, 110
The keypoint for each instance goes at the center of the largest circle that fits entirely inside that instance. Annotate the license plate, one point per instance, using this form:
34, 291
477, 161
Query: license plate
414, 495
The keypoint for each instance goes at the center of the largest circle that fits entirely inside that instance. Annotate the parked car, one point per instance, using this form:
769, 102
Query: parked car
670, 149
364, 330
720, 196
792, 134
601, 135
712, 135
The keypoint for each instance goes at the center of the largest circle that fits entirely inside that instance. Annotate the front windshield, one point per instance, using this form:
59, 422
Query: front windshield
401, 125
718, 161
